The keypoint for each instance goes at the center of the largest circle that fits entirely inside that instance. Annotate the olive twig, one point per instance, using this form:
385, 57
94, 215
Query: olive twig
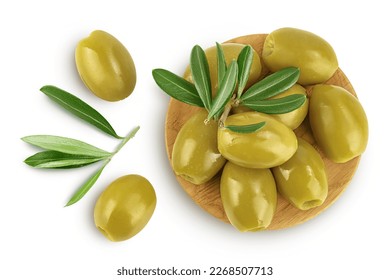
226, 111
91, 181
125, 140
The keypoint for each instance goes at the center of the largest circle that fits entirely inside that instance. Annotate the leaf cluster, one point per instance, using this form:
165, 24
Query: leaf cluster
232, 82
64, 153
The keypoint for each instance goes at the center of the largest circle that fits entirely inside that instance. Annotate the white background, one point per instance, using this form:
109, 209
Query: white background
40, 239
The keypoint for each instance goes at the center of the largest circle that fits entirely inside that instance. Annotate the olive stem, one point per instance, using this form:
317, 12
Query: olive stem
226, 111
91, 181
125, 140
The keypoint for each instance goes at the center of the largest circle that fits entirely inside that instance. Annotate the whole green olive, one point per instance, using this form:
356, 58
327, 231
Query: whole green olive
248, 196
286, 47
338, 122
125, 207
302, 179
195, 155
270, 146
294, 118
105, 66
231, 52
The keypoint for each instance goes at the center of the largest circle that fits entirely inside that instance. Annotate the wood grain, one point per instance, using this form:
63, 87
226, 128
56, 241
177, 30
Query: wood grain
207, 196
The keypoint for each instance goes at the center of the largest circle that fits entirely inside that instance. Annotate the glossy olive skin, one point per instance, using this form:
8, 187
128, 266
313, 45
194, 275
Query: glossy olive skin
286, 47
294, 118
249, 197
105, 66
231, 51
125, 207
338, 122
302, 180
195, 155
270, 146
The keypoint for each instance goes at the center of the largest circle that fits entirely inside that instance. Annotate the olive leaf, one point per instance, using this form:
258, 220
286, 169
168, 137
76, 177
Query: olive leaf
177, 87
277, 106
272, 85
79, 194
225, 90
54, 159
221, 63
62, 152
249, 128
65, 145
201, 75
244, 61
79, 108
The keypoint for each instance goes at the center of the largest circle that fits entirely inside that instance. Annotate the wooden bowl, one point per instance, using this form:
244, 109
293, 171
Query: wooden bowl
207, 195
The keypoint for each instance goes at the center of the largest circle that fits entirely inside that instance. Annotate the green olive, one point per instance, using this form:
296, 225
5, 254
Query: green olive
288, 47
195, 155
248, 196
338, 122
231, 51
105, 66
125, 207
294, 118
268, 147
302, 179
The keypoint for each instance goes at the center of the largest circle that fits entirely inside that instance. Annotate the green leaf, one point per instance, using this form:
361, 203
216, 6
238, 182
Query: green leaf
250, 128
54, 159
65, 145
225, 91
277, 106
79, 108
85, 187
244, 62
177, 87
221, 64
201, 75
272, 85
